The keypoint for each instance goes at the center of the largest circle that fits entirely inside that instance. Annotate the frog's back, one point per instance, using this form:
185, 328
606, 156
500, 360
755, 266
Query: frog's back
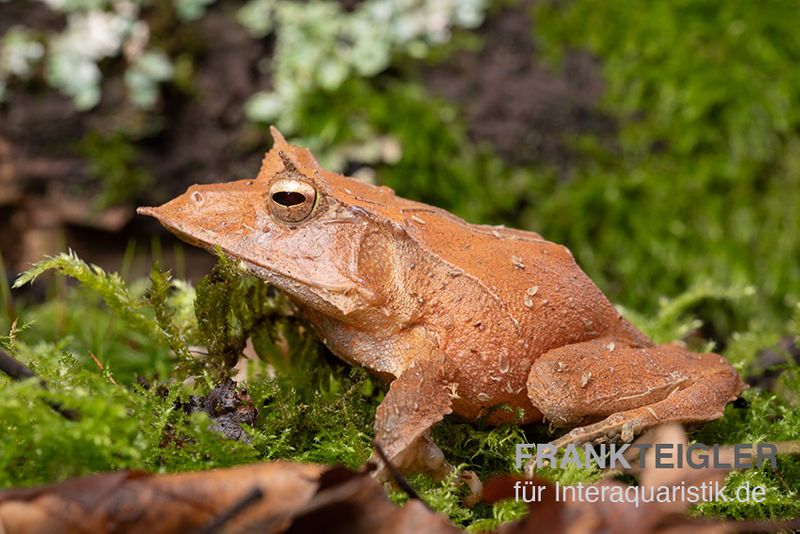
535, 282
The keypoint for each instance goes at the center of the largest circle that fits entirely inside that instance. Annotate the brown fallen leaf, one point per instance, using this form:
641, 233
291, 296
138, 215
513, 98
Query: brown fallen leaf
268, 497
347, 503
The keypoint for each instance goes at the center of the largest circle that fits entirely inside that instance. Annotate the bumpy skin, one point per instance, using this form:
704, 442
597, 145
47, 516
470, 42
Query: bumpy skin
461, 317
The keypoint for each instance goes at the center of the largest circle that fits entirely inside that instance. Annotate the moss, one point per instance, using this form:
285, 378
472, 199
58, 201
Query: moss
157, 297
312, 407
766, 418
119, 427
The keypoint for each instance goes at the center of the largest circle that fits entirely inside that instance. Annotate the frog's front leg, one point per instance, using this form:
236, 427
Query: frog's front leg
417, 399
618, 390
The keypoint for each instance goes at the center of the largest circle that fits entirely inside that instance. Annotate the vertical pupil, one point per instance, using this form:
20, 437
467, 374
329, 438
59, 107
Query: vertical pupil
289, 198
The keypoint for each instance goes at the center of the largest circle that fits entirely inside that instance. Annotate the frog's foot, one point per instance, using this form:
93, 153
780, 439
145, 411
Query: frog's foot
421, 456
417, 399
473, 483
628, 389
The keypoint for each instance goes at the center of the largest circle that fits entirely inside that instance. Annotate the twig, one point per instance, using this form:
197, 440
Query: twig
398, 477
102, 367
17, 371
240, 506
13, 368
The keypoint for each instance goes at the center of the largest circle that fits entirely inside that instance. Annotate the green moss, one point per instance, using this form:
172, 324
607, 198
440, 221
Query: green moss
230, 307
770, 419
119, 427
137, 335
157, 297
316, 411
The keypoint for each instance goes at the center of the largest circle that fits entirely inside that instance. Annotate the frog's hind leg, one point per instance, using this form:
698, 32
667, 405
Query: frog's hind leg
417, 399
617, 390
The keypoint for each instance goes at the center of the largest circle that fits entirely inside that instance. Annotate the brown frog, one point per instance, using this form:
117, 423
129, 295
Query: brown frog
461, 318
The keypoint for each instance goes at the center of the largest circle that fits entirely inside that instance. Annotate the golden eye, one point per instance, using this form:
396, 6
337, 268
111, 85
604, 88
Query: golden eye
292, 201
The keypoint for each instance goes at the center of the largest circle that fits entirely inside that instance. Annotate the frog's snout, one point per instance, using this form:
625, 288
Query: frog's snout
148, 210
156, 212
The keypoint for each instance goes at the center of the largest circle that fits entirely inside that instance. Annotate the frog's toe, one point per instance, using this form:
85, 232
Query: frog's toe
475, 486
610, 430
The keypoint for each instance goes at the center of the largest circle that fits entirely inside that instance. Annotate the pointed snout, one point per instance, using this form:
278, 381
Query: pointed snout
148, 210
212, 214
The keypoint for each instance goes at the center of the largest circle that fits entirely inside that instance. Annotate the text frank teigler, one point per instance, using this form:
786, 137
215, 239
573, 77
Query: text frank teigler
643, 456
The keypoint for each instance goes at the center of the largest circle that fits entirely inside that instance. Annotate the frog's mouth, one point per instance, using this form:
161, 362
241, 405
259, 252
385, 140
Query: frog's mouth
337, 299
175, 229
203, 238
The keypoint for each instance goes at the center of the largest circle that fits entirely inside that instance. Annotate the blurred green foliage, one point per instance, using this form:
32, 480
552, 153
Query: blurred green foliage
702, 183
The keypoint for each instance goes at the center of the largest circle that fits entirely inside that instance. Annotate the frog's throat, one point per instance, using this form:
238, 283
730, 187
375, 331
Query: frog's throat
344, 298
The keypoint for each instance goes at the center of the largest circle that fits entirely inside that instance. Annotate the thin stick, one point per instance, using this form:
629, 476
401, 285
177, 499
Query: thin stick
399, 479
17, 371
5, 291
14, 369
240, 506
102, 367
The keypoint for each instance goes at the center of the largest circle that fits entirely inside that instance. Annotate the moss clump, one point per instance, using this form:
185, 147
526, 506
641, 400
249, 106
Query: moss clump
312, 407
229, 307
119, 426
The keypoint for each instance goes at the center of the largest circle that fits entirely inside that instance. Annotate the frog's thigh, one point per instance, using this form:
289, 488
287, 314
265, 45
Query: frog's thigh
417, 399
628, 389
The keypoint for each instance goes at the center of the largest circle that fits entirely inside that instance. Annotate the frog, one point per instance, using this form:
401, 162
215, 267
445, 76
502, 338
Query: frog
479, 322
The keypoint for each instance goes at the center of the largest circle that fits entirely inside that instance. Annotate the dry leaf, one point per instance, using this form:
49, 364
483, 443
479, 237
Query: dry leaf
269, 497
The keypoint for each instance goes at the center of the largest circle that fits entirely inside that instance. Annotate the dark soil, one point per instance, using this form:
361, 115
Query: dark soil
511, 100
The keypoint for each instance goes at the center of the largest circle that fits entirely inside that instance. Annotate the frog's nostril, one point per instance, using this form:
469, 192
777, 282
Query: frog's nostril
289, 198
198, 197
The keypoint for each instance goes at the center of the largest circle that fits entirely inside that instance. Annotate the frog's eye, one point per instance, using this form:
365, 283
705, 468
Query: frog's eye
292, 200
